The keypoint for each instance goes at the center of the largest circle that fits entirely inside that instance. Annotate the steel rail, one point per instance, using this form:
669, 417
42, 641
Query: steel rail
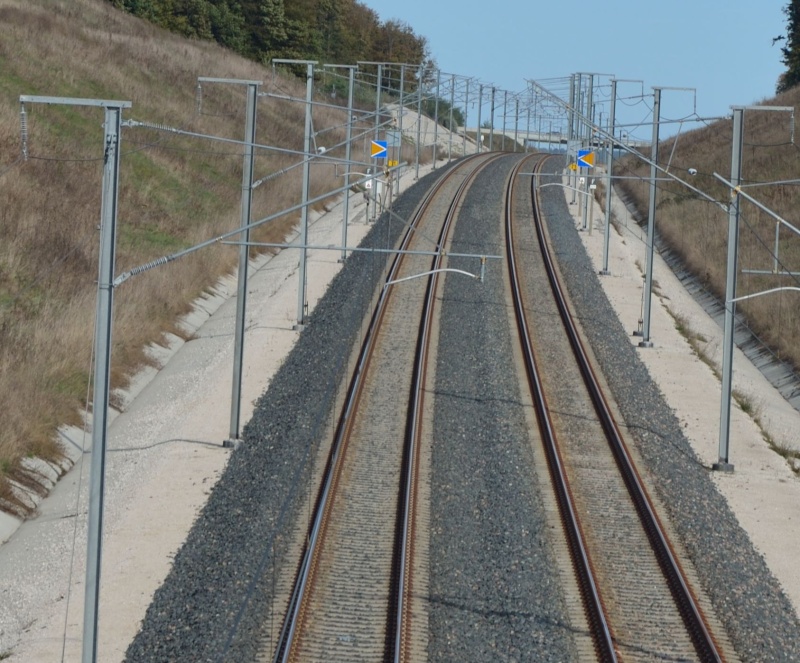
593, 605
410, 472
685, 600
305, 576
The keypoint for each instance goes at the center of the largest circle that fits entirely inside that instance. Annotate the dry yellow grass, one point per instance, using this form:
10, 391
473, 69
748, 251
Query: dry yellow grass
174, 191
698, 230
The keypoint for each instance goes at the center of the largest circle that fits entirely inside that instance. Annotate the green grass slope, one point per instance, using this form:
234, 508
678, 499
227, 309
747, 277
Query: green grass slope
698, 229
175, 191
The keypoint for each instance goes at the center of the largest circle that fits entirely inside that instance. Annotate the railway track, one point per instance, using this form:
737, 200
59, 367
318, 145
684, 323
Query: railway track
637, 602
488, 581
352, 595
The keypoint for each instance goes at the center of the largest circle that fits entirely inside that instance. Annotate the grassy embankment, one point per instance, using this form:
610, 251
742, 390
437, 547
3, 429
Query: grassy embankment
698, 229
174, 192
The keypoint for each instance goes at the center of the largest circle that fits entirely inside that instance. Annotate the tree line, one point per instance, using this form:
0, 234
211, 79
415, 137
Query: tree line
791, 48
335, 31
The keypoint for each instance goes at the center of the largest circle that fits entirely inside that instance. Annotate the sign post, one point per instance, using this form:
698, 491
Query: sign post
378, 150
102, 350
585, 159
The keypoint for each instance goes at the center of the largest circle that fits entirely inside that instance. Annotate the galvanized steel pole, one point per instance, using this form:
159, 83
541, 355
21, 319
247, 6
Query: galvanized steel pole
730, 294
419, 118
241, 291
651, 222
466, 116
102, 349
574, 85
102, 377
436, 115
101, 385
588, 144
505, 114
479, 134
400, 121
402, 101
347, 155
375, 195
450, 120
491, 127
609, 164
528, 129
378, 101
348, 149
301, 290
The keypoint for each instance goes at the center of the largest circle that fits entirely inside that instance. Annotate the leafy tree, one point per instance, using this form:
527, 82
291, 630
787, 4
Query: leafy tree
227, 25
195, 24
146, 9
396, 42
304, 41
791, 49
458, 118
328, 23
430, 107
273, 35
363, 25
218, 20
341, 31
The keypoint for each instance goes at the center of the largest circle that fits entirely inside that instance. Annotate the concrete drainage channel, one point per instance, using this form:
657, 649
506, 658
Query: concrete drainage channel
779, 373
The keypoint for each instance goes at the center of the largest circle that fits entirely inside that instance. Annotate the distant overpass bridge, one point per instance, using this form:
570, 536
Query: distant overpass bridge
555, 137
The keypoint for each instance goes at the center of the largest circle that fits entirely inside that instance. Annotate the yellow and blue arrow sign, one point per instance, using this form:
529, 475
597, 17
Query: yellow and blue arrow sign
379, 149
585, 159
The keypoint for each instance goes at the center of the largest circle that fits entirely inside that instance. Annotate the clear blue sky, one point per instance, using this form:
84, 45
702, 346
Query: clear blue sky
723, 48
